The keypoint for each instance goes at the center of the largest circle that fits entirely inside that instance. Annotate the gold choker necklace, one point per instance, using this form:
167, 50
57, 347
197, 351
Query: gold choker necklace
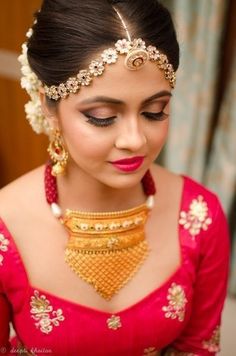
104, 249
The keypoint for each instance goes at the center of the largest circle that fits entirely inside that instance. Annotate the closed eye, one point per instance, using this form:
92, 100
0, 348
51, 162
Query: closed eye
107, 121
100, 122
155, 116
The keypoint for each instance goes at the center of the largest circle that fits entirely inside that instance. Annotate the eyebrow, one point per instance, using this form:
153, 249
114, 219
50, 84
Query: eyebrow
106, 99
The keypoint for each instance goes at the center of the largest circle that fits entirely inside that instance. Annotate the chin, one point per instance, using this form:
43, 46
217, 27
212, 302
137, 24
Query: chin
125, 180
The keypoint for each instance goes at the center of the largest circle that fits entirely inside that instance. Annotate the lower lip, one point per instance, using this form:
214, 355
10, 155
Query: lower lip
129, 167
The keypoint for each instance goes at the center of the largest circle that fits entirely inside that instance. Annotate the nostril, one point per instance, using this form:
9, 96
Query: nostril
131, 140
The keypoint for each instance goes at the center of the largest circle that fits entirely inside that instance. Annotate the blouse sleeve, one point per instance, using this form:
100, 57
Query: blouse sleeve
201, 335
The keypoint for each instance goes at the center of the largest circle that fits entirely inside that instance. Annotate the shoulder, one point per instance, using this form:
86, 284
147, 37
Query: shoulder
199, 199
169, 185
203, 220
196, 201
22, 196
189, 190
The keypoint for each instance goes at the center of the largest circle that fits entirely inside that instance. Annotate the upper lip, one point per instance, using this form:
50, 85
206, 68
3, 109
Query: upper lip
130, 160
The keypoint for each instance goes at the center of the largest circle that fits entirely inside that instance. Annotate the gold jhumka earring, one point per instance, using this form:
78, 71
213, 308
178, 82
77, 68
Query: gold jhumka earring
57, 153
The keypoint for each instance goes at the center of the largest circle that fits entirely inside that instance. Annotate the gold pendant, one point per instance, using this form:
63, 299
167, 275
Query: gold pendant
106, 249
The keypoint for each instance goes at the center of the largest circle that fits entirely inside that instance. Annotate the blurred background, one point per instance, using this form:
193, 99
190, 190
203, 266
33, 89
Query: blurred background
202, 139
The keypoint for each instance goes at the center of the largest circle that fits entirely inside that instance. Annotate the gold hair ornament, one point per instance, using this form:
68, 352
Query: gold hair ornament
137, 54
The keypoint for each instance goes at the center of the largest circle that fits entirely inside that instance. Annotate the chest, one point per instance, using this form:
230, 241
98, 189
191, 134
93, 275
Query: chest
43, 254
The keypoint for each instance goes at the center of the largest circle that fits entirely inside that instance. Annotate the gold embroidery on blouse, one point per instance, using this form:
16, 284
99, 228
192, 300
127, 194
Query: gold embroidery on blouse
151, 351
213, 344
114, 322
4, 242
42, 312
196, 218
177, 300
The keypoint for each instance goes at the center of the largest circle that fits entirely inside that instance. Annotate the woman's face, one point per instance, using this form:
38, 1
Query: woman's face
123, 114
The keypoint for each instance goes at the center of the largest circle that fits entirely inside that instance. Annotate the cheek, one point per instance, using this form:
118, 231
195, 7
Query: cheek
158, 134
84, 141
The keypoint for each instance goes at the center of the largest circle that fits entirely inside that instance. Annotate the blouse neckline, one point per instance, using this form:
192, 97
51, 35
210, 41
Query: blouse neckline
61, 300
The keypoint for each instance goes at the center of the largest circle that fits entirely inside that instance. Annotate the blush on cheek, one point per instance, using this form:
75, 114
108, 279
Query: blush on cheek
158, 137
87, 147
161, 132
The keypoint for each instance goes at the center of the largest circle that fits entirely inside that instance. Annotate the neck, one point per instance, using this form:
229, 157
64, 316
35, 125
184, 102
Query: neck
80, 191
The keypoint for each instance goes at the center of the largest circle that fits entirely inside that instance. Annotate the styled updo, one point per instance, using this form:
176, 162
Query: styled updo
67, 34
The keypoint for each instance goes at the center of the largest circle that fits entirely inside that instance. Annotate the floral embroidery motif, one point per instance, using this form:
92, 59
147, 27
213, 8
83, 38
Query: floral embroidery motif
177, 301
150, 351
3, 246
44, 314
114, 322
213, 344
196, 218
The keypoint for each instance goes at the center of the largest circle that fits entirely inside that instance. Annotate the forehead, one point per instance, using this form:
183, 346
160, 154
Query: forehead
121, 83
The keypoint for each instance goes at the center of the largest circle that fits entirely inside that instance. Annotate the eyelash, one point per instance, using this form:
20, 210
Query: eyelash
151, 116
100, 122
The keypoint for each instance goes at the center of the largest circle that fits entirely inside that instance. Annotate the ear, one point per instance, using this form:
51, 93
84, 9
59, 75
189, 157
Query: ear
48, 112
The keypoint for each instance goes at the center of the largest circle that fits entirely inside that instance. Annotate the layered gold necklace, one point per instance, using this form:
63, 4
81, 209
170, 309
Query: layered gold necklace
104, 249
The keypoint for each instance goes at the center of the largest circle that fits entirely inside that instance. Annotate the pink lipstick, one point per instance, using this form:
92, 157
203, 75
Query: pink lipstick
128, 164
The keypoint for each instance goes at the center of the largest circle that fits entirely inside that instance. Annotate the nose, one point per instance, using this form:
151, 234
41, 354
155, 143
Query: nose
131, 135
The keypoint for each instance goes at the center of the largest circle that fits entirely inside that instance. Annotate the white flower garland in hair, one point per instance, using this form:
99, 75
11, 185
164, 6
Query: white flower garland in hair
31, 83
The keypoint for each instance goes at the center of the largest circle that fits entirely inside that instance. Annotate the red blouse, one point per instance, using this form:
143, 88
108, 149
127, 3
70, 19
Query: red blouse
183, 314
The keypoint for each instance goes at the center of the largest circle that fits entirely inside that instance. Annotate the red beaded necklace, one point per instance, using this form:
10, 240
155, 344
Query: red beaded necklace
104, 249
50, 184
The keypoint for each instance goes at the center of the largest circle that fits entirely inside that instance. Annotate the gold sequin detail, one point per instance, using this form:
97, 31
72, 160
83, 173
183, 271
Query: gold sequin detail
177, 301
197, 218
114, 322
44, 314
213, 344
151, 351
4, 242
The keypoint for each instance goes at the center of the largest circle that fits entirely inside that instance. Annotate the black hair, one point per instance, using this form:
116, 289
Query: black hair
67, 34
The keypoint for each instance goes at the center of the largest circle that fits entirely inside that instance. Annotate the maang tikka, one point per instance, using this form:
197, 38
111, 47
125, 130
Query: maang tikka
137, 54
136, 57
